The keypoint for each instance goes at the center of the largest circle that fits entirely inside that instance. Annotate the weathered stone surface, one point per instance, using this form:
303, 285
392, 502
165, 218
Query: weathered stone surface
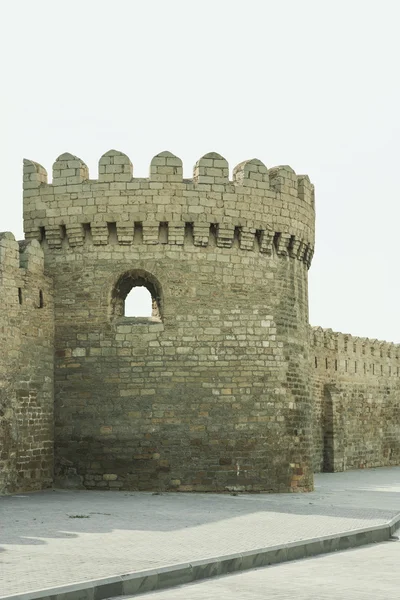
356, 401
218, 390
198, 397
26, 367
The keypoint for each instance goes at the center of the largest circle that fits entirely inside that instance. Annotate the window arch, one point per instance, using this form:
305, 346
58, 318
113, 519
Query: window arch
138, 302
126, 284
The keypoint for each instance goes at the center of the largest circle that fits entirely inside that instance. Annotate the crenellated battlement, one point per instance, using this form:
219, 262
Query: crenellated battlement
27, 255
22, 276
26, 367
351, 354
266, 210
9, 251
212, 169
345, 342
223, 385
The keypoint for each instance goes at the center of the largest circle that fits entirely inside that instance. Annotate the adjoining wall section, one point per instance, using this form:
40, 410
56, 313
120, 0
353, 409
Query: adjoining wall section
356, 399
26, 368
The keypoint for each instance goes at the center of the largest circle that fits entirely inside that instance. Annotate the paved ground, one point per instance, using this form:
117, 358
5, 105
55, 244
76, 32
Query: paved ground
60, 537
369, 573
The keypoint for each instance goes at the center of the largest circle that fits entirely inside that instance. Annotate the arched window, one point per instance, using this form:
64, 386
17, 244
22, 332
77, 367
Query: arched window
137, 294
138, 303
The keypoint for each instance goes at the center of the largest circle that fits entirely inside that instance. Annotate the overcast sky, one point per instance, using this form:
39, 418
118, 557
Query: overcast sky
312, 84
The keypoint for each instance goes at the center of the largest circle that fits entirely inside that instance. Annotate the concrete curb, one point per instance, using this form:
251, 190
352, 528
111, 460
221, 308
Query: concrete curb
165, 577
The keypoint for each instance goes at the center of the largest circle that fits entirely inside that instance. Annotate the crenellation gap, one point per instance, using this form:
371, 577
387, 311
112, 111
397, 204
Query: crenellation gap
213, 235
138, 233
236, 237
87, 233
258, 240
163, 233
277, 239
189, 234
112, 233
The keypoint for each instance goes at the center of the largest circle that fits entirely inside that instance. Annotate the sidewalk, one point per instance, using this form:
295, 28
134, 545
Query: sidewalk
58, 538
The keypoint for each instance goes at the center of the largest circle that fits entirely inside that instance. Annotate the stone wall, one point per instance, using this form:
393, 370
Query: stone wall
212, 392
225, 387
26, 368
356, 400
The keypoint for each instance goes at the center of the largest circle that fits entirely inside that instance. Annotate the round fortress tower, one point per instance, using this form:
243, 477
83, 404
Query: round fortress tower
211, 393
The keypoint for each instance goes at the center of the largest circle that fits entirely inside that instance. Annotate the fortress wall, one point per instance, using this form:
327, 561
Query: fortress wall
356, 398
26, 368
259, 207
212, 394
214, 397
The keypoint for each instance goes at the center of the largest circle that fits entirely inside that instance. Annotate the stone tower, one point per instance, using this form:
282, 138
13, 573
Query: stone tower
211, 393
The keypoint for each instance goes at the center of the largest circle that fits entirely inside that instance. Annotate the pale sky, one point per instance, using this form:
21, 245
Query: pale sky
309, 83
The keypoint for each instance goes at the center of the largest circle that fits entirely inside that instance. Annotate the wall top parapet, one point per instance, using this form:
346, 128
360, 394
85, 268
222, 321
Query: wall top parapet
352, 345
210, 170
267, 209
20, 255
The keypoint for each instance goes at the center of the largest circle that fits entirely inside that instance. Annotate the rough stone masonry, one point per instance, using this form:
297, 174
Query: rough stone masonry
226, 387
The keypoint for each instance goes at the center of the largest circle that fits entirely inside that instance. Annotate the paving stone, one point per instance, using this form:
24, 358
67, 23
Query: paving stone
55, 538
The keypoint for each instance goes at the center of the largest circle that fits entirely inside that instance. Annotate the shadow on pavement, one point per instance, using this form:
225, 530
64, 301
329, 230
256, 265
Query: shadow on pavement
30, 519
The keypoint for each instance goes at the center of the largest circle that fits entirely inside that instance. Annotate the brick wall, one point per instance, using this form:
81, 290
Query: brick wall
225, 387
26, 368
356, 399
213, 395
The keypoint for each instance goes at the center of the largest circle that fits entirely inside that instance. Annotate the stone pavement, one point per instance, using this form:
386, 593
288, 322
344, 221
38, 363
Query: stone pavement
369, 573
55, 538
